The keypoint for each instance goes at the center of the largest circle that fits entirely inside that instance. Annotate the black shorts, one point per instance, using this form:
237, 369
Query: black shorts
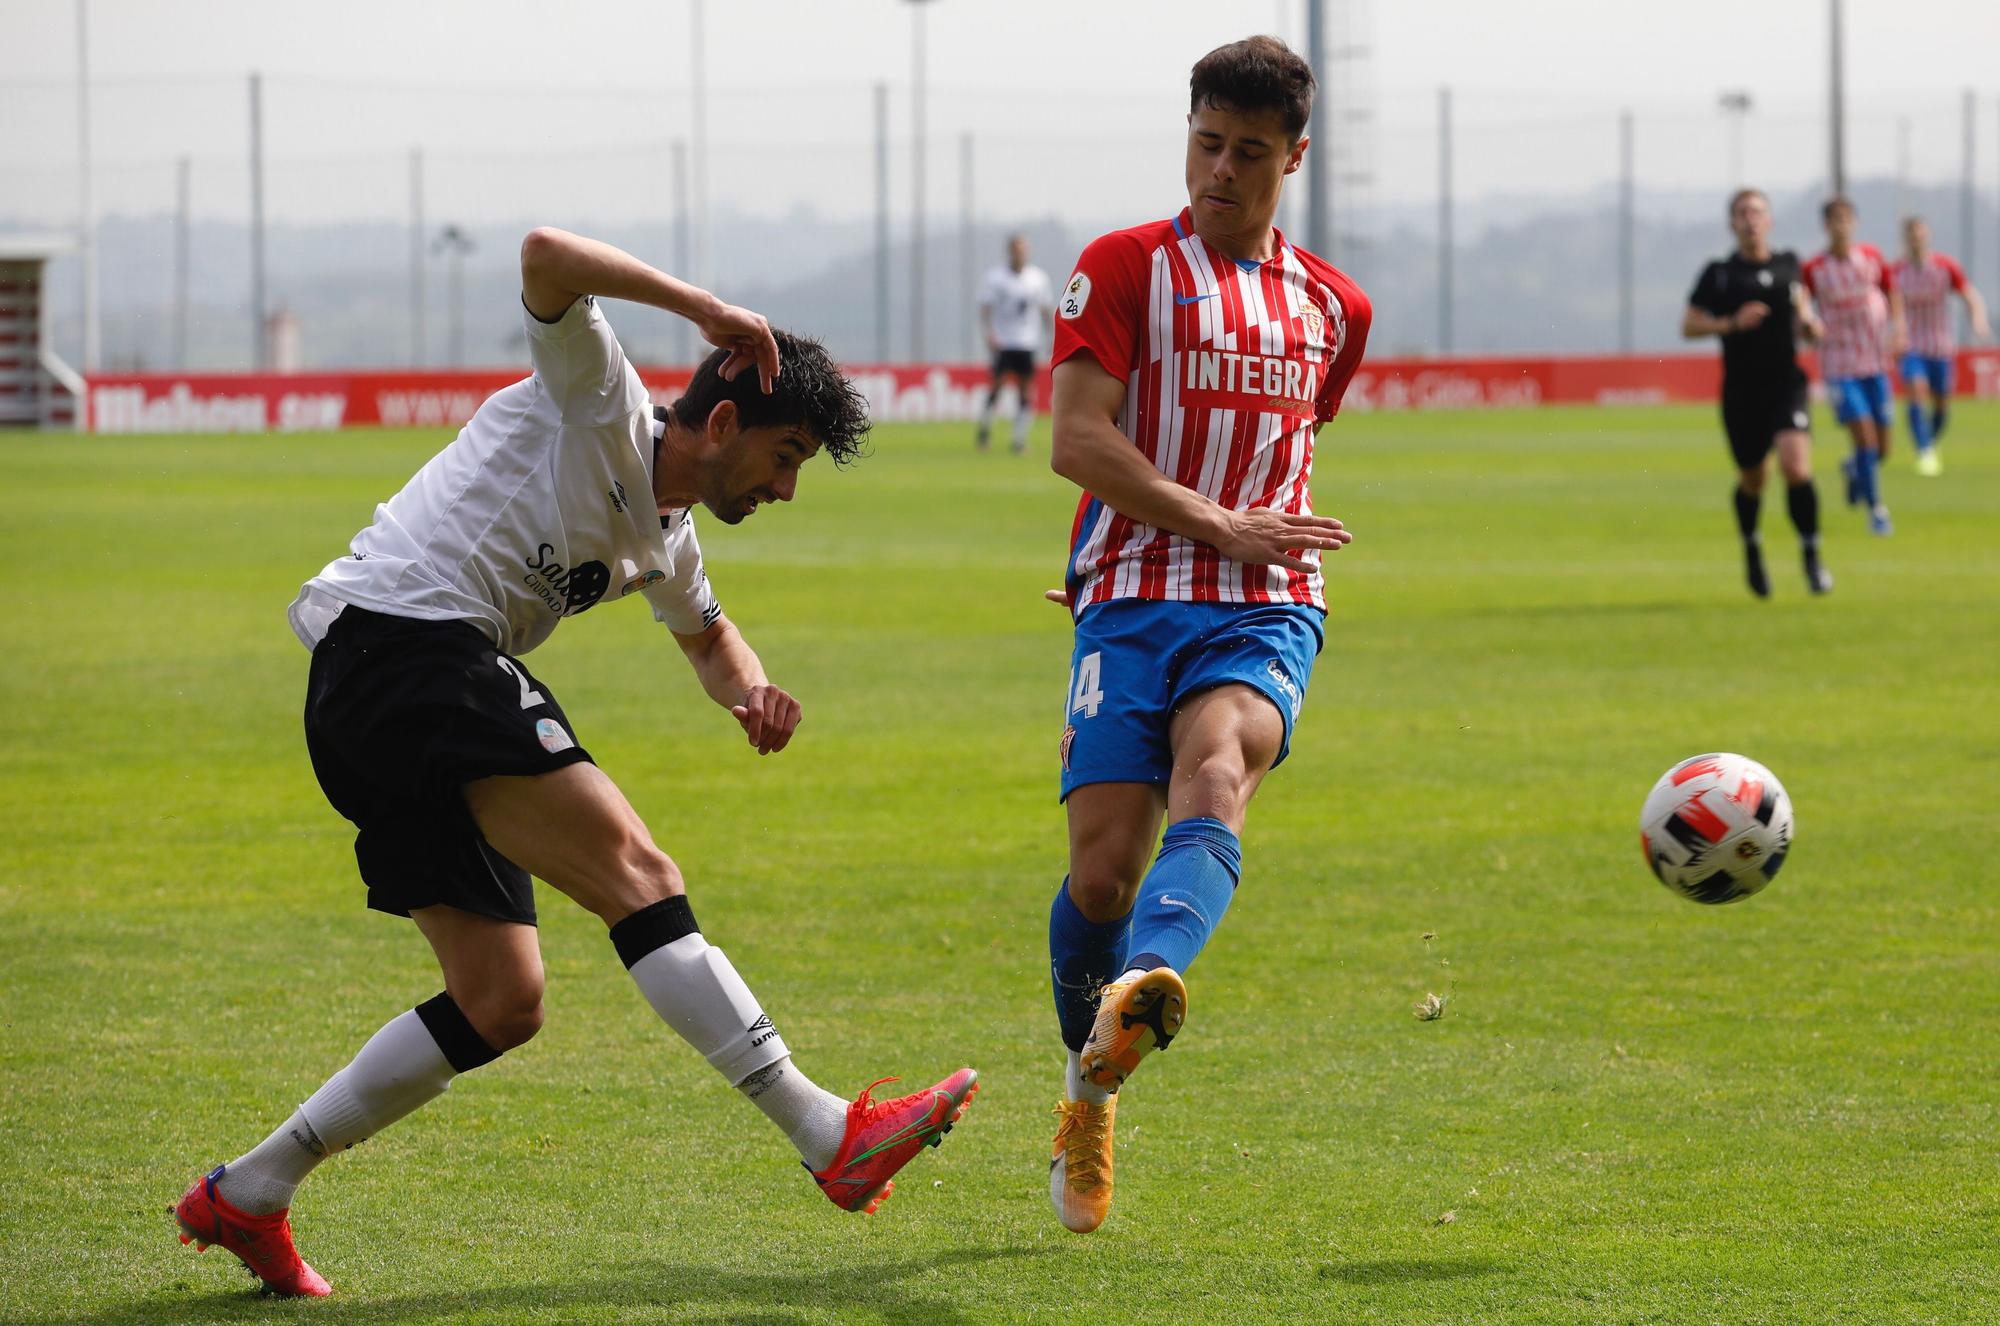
400, 715
1014, 361
1756, 411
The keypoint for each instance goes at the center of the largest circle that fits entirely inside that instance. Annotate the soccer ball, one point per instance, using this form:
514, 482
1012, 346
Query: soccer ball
1716, 828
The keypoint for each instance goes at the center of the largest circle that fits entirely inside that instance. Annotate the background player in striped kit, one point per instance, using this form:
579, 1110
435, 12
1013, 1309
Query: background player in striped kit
1752, 301
1925, 279
1195, 359
1863, 316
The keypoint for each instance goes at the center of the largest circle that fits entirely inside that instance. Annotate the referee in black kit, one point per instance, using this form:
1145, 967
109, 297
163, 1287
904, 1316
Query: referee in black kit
1753, 301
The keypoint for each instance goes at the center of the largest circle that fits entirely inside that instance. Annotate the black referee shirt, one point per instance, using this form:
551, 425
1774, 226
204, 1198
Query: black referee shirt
1726, 285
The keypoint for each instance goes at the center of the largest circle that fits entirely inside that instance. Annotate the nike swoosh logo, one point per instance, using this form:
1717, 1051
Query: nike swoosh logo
1168, 900
1193, 299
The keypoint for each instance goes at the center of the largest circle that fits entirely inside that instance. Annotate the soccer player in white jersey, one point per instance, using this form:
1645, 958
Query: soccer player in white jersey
1926, 279
462, 774
1195, 359
1863, 319
1014, 306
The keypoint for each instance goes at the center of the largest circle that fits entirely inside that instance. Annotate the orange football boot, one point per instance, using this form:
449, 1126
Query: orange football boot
262, 1242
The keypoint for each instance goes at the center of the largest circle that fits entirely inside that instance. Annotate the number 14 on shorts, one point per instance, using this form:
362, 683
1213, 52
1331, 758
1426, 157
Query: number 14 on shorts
1086, 689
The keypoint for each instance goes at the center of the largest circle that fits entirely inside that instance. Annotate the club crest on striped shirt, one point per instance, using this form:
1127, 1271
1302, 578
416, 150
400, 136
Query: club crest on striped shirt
1315, 324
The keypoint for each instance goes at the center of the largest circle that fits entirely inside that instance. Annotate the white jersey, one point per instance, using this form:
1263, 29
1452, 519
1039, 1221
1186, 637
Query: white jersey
1016, 303
540, 508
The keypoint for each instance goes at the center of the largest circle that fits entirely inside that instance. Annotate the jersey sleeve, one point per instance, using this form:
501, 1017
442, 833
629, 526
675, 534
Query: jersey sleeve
1353, 343
1809, 277
1098, 312
1885, 275
684, 602
1709, 288
1954, 273
579, 362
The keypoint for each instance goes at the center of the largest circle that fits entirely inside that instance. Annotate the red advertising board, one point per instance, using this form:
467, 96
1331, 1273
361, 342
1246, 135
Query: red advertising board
897, 393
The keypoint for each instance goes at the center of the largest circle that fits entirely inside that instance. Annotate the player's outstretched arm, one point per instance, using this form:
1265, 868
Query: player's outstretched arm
1090, 452
730, 672
1975, 309
558, 268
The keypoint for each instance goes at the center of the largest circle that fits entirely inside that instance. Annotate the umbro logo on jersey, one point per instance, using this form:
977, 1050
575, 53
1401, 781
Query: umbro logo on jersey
761, 1030
1193, 299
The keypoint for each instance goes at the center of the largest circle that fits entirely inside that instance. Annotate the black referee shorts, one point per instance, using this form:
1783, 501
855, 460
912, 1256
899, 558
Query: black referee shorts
1756, 410
400, 715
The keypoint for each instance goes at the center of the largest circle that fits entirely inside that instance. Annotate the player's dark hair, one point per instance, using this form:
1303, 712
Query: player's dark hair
810, 392
1834, 204
1255, 74
1741, 194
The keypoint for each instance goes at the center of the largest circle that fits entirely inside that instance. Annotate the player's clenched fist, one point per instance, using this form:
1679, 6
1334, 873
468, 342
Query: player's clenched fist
769, 717
1265, 536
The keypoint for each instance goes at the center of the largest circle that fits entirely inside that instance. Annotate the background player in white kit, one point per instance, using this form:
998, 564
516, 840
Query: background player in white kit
464, 776
1014, 307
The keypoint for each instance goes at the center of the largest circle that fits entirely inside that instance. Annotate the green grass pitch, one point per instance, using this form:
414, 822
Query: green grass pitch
1634, 1110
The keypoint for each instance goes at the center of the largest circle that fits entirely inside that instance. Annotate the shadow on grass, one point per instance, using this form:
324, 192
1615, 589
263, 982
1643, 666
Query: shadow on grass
652, 1289
1406, 1270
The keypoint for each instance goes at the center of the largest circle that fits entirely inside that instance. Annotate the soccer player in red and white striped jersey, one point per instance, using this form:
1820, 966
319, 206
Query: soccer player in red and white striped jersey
1863, 317
1195, 359
1927, 279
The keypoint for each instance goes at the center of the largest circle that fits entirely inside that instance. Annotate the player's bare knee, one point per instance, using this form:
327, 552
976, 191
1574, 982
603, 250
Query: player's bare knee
507, 1015
1104, 891
646, 875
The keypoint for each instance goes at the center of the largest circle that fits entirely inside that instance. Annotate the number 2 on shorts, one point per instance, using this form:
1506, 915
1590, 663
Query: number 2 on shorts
530, 697
1088, 691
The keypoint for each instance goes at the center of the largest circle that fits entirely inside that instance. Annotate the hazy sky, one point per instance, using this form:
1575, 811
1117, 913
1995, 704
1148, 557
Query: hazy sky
1599, 46
1072, 101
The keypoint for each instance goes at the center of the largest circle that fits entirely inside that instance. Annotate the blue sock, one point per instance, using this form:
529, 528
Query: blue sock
1083, 955
1185, 893
1920, 426
1868, 474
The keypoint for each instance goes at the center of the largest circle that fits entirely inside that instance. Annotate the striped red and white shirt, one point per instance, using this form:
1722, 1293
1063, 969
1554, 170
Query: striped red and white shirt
1853, 298
1229, 370
1927, 292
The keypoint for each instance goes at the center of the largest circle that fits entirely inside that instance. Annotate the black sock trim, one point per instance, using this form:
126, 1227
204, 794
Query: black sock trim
464, 1048
653, 927
1145, 962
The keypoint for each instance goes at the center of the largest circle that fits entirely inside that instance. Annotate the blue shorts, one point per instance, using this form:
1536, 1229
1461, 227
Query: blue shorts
1935, 372
1136, 660
1860, 398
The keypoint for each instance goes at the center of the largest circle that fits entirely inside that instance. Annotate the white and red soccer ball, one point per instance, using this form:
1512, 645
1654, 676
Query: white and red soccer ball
1716, 828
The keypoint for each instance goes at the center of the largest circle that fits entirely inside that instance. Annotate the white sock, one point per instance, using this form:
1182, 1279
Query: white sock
1079, 1087
1023, 418
263, 1179
813, 1118
399, 1069
696, 991
1132, 974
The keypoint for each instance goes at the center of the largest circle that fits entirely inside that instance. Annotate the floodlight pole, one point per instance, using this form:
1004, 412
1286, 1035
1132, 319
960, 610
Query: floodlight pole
419, 333
1444, 221
86, 203
698, 84
1736, 108
917, 146
1968, 194
261, 351
183, 224
1837, 108
968, 259
1319, 172
881, 223
683, 248
1626, 222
